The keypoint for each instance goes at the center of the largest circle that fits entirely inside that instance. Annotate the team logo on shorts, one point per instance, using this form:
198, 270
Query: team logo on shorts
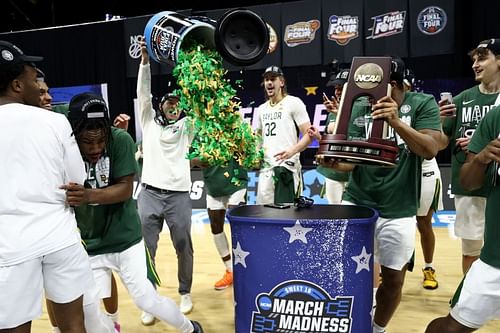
342, 29
387, 24
301, 306
432, 20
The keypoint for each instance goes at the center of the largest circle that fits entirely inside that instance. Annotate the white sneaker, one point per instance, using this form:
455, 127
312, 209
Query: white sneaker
186, 305
147, 319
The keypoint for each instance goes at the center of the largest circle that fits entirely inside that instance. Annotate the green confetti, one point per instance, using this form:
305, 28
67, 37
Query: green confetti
212, 105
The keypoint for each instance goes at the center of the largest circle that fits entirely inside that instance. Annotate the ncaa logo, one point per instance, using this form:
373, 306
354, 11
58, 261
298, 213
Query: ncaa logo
368, 75
134, 50
431, 20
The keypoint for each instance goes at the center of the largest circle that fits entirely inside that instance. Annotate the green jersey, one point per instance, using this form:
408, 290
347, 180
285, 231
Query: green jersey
61, 108
472, 105
488, 130
223, 181
115, 227
331, 173
394, 192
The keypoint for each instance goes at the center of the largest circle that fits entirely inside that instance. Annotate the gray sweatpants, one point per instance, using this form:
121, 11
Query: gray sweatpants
176, 209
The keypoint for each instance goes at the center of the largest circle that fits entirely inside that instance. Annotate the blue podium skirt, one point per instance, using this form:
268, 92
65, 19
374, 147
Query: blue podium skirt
303, 270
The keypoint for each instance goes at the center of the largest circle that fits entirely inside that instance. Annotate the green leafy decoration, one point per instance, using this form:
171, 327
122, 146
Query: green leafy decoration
211, 103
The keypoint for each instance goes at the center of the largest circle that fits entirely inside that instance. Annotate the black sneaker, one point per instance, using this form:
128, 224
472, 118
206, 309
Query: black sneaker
197, 327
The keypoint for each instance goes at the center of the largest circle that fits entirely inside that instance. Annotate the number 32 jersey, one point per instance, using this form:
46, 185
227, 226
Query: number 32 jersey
279, 127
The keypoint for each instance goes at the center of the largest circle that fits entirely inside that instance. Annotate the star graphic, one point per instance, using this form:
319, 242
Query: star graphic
297, 232
239, 255
311, 90
315, 187
362, 260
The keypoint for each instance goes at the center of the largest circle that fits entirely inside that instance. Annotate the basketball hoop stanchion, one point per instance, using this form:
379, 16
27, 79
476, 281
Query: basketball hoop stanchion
370, 76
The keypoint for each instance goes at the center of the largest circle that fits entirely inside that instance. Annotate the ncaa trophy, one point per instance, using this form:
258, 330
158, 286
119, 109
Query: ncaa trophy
370, 76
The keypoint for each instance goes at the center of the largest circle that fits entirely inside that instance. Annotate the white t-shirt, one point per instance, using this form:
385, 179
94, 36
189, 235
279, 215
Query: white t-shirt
164, 148
279, 124
39, 154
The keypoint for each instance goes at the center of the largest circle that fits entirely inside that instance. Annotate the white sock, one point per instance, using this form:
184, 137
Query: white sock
378, 329
221, 244
56, 330
374, 297
229, 265
428, 265
113, 316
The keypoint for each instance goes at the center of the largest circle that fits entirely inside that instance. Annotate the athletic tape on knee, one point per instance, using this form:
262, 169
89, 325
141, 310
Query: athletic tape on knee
221, 244
471, 247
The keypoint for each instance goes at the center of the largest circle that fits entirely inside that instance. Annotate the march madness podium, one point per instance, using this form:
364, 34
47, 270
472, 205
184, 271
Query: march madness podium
303, 270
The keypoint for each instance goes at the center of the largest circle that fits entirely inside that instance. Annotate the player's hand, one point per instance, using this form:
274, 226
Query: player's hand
447, 110
462, 143
197, 162
331, 105
386, 108
329, 162
144, 51
76, 194
313, 132
283, 156
121, 121
490, 153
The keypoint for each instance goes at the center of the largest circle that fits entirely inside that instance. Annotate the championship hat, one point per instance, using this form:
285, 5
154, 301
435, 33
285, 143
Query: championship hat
273, 70
12, 55
409, 77
87, 106
338, 79
168, 96
398, 69
491, 44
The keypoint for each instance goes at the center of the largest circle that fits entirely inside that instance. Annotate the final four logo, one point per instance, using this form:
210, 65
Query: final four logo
342, 29
298, 306
387, 24
431, 20
301, 32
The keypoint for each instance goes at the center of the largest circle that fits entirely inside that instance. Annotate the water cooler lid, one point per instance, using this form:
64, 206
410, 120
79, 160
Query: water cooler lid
241, 37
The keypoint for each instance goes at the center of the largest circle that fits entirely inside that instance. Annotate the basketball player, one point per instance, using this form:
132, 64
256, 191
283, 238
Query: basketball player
477, 299
45, 97
280, 179
431, 200
106, 213
226, 188
414, 120
335, 181
40, 246
460, 119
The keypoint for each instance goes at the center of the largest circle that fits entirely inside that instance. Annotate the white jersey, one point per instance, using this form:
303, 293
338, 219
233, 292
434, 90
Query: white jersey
164, 148
39, 154
279, 124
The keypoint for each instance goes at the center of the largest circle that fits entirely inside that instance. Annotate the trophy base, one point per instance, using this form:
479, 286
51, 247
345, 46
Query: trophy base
357, 152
